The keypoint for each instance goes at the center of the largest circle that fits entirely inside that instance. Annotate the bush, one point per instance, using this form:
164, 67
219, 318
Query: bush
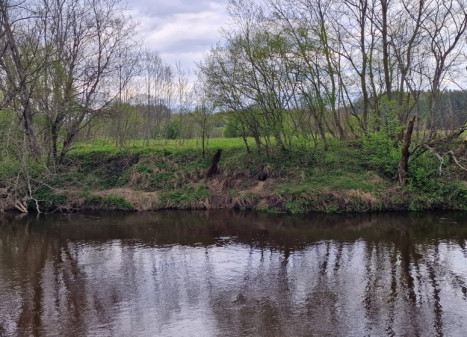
457, 196
110, 202
423, 174
232, 128
188, 198
174, 128
297, 206
8, 169
383, 153
47, 199
117, 203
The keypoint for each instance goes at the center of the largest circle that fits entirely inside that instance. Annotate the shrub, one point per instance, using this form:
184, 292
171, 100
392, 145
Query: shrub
187, 198
423, 174
296, 206
117, 203
383, 153
47, 199
109, 202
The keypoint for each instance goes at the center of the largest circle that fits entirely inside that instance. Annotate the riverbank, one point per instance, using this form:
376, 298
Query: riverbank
348, 177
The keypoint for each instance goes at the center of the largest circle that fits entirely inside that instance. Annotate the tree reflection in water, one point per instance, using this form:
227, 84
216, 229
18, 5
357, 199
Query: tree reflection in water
233, 274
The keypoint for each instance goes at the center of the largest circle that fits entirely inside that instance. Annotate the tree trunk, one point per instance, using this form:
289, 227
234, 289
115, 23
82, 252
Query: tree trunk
386, 61
322, 134
257, 142
279, 141
203, 137
31, 138
404, 162
53, 131
244, 137
66, 147
246, 144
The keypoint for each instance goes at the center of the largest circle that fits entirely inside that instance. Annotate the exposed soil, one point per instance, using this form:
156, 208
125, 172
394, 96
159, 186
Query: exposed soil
143, 201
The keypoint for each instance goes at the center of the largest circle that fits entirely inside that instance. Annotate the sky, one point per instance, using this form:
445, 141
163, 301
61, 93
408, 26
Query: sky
180, 30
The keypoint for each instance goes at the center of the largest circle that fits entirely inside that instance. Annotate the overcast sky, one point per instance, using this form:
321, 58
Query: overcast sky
181, 30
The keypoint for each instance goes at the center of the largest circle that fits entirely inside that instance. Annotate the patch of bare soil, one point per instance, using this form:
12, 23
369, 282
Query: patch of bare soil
246, 193
219, 196
143, 201
375, 179
259, 187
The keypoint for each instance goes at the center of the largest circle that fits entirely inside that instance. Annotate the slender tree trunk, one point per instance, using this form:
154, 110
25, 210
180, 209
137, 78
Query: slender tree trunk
246, 144
53, 131
66, 146
279, 141
363, 74
203, 137
404, 161
245, 139
31, 138
322, 134
257, 142
384, 33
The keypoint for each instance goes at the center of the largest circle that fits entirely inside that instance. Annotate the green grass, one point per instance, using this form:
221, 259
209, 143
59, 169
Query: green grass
191, 197
109, 202
161, 146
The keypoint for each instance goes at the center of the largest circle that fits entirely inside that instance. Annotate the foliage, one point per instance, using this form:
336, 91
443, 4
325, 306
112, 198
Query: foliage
297, 206
109, 202
423, 174
456, 195
47, 199
232, 128
117, 203
190, 197
8, 169
383, 153
174, 128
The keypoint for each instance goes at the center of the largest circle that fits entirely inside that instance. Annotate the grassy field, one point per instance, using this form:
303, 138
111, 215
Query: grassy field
141, 146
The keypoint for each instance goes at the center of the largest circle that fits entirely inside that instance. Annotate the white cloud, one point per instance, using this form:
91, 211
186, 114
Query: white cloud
180, 30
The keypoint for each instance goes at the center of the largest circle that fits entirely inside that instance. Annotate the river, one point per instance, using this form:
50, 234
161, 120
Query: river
226, 273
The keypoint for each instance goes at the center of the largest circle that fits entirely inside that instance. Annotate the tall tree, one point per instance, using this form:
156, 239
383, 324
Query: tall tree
61, 65
22, 59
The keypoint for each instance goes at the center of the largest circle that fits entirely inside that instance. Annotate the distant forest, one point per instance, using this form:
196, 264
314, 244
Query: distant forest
155, 122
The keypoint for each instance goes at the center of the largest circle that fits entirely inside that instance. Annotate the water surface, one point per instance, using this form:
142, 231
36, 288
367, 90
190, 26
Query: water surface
226, 273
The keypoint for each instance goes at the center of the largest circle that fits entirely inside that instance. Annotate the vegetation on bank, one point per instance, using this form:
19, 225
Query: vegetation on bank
353, 176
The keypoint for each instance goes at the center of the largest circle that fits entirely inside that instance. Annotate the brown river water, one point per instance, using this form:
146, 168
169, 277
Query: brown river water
228, 273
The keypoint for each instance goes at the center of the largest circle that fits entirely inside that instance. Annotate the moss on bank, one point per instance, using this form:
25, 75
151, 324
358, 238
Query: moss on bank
349, 177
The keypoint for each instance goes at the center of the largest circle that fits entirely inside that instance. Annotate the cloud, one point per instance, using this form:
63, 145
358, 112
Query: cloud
161, 8
180, 30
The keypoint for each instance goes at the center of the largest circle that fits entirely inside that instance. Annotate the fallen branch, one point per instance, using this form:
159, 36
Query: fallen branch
453, 156
32, 198
441, 158
21, 207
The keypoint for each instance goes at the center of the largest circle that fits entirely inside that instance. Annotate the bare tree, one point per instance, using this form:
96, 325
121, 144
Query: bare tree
445, 28
21, 61
159, 92
184, 98
61, 64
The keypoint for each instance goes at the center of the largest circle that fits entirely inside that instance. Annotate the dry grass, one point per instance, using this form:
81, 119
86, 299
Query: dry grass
143, 201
